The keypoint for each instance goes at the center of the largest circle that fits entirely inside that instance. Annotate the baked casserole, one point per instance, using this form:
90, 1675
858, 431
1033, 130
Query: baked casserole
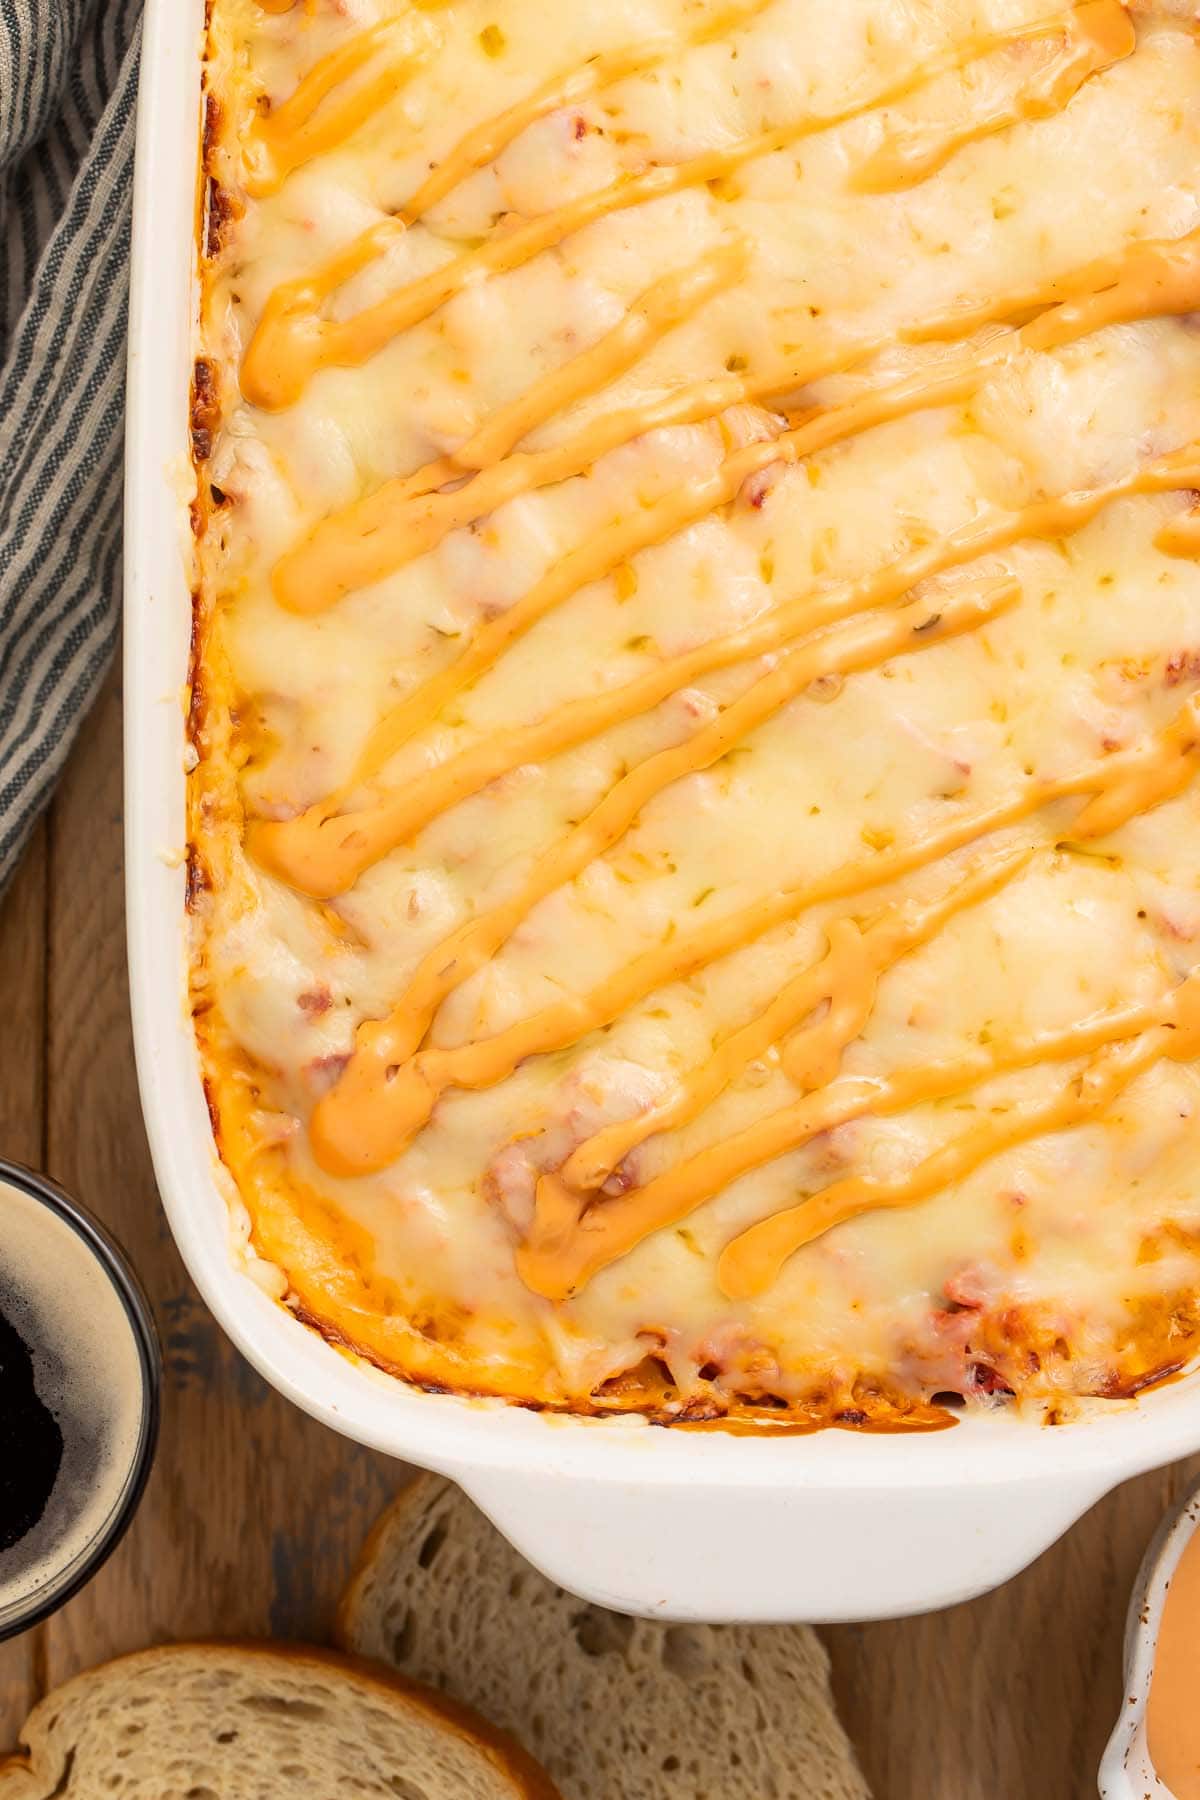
694, 866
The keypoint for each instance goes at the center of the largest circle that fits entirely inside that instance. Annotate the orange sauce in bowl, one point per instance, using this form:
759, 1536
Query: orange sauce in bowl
1173, 1717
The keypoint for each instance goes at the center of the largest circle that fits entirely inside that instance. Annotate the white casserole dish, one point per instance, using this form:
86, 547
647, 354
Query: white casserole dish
682, 1525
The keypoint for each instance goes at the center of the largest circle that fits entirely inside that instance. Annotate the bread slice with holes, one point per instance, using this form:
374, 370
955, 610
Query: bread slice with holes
616, 1708
257, 1722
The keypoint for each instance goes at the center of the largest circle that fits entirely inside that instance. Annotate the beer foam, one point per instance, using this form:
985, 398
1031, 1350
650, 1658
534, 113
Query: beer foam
61, 1300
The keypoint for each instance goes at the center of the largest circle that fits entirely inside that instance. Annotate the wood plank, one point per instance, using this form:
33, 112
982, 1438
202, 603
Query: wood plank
1015, 1693
254, 1512
22, 1124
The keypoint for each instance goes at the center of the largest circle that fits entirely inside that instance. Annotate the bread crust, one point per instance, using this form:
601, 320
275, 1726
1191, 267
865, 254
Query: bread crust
528, 1779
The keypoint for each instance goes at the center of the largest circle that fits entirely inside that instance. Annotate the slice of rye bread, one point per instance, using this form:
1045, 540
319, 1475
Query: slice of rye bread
616, 1708
259, 1722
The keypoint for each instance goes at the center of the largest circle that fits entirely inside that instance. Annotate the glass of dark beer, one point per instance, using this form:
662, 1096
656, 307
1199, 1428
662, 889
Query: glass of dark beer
80, 1374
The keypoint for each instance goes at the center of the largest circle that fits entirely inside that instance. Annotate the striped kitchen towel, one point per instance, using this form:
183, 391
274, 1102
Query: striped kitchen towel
68, 82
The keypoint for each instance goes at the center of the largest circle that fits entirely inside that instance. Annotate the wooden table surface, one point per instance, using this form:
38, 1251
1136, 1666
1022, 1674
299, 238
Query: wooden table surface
254, 1513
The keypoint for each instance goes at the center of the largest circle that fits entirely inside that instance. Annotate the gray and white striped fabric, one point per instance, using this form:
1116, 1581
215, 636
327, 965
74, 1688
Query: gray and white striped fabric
68, 82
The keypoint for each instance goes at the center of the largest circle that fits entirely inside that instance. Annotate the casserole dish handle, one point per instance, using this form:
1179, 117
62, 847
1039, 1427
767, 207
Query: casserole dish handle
742, 1551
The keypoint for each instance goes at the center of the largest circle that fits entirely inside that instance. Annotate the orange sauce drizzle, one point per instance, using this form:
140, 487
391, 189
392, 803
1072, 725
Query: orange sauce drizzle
331, 843
293, 340
372, 538
289, 137
312, 121
323, 851
368, 1116
386, 1093
302, 578
483, 145
844, 982
566, 1250
754, 1260
575, 1234
1096, 37
1181, 536
378, 534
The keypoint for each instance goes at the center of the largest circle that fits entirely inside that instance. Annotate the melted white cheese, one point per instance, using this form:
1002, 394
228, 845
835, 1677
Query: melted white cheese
1101, 649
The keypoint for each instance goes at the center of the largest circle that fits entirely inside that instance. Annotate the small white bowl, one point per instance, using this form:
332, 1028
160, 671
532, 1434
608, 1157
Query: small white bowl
1126, 1773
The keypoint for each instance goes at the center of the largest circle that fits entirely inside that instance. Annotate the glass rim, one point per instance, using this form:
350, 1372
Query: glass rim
20, 1615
